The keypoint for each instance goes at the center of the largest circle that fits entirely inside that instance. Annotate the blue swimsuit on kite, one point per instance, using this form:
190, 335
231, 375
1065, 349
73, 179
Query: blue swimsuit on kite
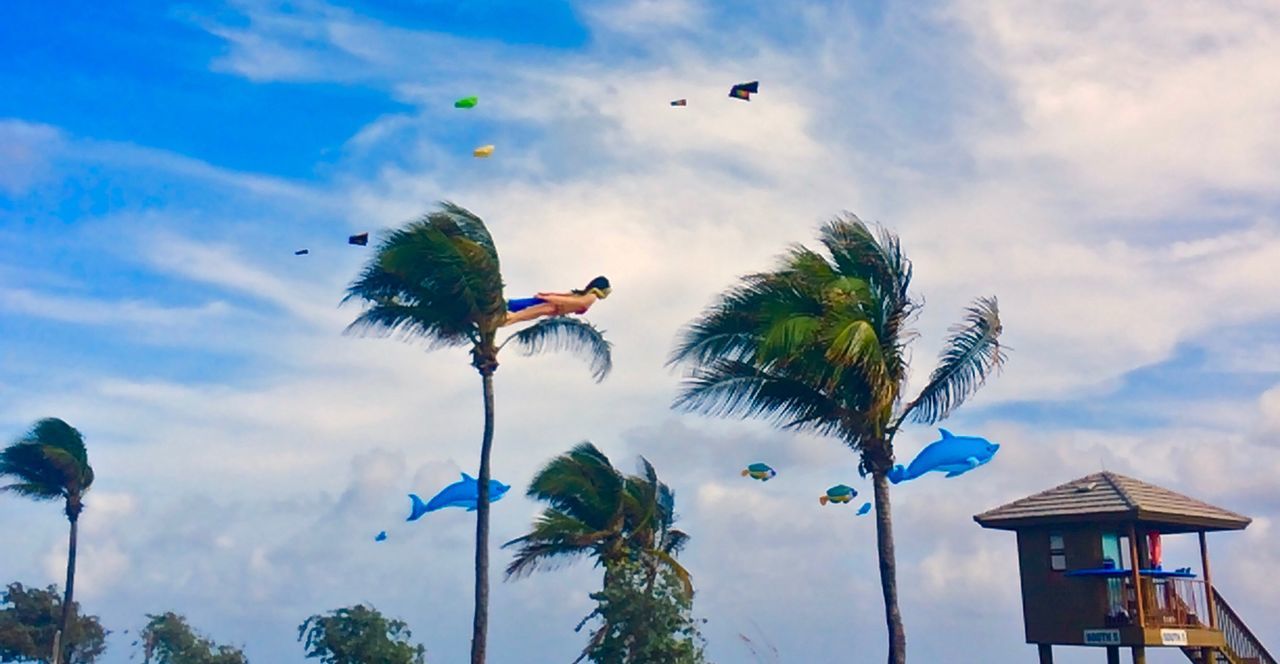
523, 303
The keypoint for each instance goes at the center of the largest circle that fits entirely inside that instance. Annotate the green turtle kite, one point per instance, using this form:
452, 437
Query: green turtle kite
840, 493
466, 102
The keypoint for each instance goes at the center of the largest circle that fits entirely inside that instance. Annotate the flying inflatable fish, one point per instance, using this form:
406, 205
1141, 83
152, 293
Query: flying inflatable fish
464, 493
382, 537
953, 455
759, 471
482, 151
866, 507
840, 493
466, 102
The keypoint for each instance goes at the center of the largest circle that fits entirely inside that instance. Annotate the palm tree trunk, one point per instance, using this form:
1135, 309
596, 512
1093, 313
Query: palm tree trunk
888, 570
65, 645
480, 624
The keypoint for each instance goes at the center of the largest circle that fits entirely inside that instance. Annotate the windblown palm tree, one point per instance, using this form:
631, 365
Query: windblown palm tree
51, 463
819, 344
596, 510
438, 280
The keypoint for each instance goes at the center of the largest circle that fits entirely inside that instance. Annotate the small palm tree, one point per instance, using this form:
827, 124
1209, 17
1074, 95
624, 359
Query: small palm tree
595, 510
50, 463
819, 344
438, 280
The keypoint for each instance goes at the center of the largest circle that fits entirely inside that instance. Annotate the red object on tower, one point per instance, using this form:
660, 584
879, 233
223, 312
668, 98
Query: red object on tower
1153, 549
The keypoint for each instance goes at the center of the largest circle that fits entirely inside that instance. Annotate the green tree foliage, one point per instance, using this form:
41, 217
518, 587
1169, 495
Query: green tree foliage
438, 280
168, 639
29, 617
820, 344
626, 523
358, 635
595, 510
50, 463
645, 619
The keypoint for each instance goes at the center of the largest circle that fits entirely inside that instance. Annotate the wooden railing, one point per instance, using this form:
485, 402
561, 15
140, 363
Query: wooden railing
1166, 602
1174, 602
1241, 643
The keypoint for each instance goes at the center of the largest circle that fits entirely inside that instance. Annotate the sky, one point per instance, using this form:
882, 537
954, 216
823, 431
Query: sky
1108, 170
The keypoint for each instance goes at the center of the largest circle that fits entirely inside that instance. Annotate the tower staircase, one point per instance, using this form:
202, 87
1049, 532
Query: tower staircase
1242, 646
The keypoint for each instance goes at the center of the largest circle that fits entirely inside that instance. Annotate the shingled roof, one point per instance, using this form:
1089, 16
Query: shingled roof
1112, 497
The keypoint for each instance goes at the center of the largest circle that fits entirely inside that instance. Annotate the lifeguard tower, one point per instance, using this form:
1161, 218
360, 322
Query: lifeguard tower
1089, 555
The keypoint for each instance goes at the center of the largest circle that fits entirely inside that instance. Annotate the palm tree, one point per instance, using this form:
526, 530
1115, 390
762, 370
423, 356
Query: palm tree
437, 280
51, 463
819, 344
596, 510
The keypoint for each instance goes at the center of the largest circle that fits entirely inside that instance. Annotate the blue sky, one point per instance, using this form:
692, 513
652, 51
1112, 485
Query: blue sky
1108, 171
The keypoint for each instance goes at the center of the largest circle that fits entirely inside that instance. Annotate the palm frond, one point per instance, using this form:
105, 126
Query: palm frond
32, 490
582, 483
737, 323
28, 462
439, 328
556, 540
877, 260
469, 225
562, 333
57, 433
669, 561
675, 541
972, 352
736, 388
437, 278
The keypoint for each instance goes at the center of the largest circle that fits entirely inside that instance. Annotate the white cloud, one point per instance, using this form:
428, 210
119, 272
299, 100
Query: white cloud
86, 311
24, 154
638, 16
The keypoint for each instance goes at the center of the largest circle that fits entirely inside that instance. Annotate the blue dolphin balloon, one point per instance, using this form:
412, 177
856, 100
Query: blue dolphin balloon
953, 455
866, 507
465, 494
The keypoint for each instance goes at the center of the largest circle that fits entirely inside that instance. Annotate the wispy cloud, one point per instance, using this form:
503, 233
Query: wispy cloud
86, 311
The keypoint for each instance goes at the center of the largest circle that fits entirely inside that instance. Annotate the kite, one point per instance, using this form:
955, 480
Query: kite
301, 252
680, 102
382, 537
465, 494
953, 455
483, 151
840, 493
759, 471
361, 239
866, 507
744, 91
557, 304
466, 102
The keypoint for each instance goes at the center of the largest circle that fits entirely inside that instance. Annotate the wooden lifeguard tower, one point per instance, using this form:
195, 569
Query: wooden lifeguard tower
1089, 555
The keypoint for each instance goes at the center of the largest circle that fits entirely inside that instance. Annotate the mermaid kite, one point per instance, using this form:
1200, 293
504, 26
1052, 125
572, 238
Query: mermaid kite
557, 304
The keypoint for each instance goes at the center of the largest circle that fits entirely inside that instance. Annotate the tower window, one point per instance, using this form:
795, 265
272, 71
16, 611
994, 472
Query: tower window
1057, 552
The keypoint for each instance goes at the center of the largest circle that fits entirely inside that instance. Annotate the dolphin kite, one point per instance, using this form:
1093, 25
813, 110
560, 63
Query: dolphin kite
953, 455
465, 494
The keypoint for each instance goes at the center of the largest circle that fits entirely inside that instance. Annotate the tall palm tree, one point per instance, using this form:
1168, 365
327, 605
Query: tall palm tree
819, 344
437, 280
50, 463
595, 510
